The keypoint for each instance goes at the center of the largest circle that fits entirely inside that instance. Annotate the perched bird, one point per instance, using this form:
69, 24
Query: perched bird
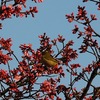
48, 59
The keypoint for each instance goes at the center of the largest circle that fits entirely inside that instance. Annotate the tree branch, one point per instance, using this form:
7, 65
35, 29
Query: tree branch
93, 74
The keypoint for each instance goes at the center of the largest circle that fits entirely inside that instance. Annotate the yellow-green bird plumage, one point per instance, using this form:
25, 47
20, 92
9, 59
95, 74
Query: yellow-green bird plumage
48, 59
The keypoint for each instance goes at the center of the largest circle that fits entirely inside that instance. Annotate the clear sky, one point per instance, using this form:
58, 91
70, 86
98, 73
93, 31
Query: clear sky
50, 19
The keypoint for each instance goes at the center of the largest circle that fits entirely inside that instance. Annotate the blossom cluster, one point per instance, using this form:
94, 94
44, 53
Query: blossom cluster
23, 78
5, 45
7, 10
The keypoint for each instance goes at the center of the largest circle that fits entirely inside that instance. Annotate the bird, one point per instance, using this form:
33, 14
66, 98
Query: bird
48, 59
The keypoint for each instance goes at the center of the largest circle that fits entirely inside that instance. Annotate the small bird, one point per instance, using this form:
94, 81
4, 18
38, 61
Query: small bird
48, 59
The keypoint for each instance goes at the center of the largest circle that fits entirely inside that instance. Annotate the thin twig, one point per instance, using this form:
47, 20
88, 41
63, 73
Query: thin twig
15, 57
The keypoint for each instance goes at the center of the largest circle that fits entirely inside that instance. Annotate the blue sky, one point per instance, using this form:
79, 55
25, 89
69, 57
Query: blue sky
50, 19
